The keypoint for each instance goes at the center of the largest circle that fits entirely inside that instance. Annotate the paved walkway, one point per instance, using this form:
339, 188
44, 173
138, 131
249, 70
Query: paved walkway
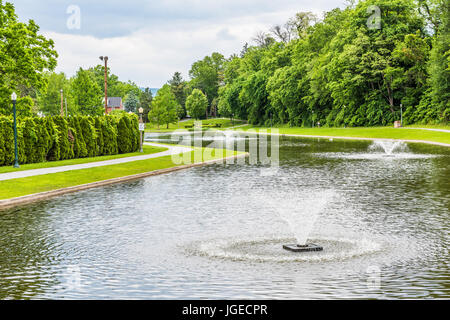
430, 129
36, 172
239, 126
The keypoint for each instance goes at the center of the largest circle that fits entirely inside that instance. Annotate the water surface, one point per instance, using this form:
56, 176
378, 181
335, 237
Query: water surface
216, 231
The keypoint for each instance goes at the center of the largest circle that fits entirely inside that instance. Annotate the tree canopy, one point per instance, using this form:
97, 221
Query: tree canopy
196, 104
164, 107
24, 57
340, 70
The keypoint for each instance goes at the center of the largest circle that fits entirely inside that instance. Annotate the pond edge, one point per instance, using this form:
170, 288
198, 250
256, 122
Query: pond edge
36, 197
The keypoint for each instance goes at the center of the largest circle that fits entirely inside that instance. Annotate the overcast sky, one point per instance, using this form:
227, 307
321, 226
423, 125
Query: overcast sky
147, 41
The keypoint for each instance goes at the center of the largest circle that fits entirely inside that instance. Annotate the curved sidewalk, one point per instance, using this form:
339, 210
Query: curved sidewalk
36, 172
430, 129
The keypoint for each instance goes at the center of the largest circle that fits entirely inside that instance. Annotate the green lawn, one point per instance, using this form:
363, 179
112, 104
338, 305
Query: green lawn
36, 184
209, 123
372, 132
147, 150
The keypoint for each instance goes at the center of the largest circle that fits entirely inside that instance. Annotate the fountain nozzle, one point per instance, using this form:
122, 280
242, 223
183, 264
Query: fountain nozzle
302, 248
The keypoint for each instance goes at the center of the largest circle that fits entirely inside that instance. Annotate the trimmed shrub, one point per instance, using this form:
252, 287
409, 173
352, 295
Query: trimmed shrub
110, 145
7, 144
99, 131
65, 146
89, 136
58, 138
124, 135
43, 140
30, 140
54, 150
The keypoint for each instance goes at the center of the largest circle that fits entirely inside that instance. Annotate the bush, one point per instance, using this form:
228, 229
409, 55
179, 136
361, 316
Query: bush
89, 136
110, 136
58, 138
76, 136
124, 135
6, 141
65, 146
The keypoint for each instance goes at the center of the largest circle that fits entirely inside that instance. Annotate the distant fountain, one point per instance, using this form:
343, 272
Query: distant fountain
384, 150
228, 134
388, 147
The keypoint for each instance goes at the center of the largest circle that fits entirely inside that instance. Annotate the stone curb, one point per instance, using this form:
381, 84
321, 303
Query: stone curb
13, 202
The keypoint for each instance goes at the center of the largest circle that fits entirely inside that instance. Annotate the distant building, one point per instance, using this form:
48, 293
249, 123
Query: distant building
114, 103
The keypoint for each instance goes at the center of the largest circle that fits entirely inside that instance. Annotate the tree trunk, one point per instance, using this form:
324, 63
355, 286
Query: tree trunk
390, 98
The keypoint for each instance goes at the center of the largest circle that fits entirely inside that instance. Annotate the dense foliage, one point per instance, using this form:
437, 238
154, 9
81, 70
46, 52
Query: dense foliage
342, 70
58, 138
196, 104
24, 56
164, 107
27, 61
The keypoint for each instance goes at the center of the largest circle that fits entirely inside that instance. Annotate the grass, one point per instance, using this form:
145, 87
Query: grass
371, 132
36, 184
147, 150
209, 123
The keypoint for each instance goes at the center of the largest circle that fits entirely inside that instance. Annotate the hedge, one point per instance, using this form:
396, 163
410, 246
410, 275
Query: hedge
59, 138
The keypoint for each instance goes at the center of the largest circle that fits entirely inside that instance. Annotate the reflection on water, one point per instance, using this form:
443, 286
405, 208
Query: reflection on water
207, 233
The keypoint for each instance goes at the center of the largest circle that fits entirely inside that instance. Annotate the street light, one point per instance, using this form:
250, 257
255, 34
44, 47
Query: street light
105, 59
401, 114
141, 127
16, 153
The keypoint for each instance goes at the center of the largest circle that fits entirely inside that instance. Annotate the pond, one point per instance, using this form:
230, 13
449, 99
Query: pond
216, 232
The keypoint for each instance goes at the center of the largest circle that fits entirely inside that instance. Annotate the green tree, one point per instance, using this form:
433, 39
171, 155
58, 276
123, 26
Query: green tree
178, 86
49, 100
131, 102
24, 57
86, 93
164, 107
196, 104
207, 75
116, 88
439, 68
146, 102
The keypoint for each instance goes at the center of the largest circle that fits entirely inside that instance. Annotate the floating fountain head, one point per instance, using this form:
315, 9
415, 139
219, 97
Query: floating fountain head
301, 214
302, 248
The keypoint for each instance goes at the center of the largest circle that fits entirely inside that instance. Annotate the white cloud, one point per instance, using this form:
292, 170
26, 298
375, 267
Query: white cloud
150, 55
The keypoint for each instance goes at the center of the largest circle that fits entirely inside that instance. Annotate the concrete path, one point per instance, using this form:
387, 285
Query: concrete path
36, 172
430, 129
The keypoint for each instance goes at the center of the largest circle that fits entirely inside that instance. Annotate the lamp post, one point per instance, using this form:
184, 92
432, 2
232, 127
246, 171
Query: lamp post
105, 59
16, 152
141, 127
62, 105
401, 114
